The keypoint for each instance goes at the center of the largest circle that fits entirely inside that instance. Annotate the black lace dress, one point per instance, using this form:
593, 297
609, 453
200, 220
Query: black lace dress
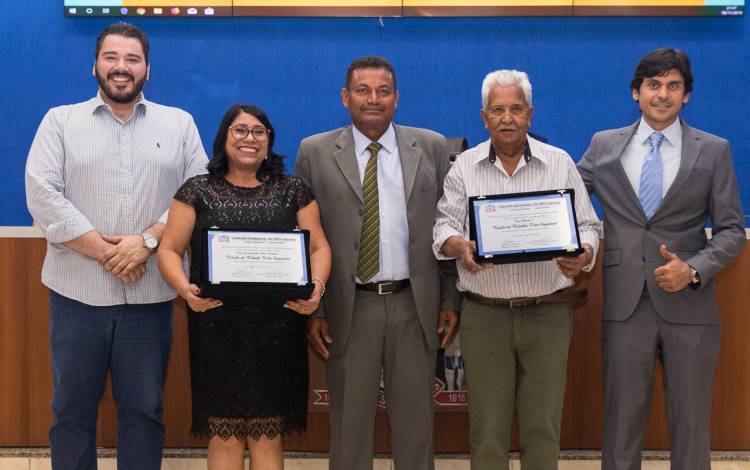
248, 365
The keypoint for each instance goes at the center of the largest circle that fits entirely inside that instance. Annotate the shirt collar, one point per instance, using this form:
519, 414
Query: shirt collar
99, 103
672, 134
387, 140
530, 151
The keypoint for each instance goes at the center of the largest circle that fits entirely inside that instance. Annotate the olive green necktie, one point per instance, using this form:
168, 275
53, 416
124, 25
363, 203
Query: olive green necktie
369, 241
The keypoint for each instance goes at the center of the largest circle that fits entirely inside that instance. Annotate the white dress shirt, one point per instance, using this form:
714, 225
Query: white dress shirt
394, 227
639, 146
87, 170
543, 168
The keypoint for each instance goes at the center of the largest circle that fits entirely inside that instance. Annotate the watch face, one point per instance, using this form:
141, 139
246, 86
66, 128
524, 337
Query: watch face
150, 242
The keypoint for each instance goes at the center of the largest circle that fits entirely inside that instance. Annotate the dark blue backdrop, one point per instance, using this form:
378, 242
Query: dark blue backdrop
579, 67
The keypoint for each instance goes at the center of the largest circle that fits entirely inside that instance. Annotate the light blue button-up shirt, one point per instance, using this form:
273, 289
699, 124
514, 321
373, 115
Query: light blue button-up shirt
394, 227
87, 170
639, 146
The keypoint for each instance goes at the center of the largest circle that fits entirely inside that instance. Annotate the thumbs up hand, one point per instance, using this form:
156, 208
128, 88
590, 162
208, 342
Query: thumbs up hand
674, 275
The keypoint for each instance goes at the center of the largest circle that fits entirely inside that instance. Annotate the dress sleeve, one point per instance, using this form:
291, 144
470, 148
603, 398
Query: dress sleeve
188, 192
299, 195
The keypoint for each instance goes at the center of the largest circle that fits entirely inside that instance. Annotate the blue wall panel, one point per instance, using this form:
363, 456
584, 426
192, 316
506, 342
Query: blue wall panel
293, 67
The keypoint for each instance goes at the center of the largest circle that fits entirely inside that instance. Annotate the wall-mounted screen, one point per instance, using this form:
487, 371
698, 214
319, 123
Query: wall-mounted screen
488, 8
317, 8
573, 7
207, 8
163, 8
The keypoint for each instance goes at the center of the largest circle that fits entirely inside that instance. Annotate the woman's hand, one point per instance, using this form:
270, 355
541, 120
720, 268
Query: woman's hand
198, 304
309, 306
308, 218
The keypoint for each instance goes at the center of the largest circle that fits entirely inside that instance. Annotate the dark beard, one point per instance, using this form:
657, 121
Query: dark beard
118, 97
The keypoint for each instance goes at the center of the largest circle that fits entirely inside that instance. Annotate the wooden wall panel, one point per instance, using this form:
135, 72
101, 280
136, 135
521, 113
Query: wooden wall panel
26, 383
730, 426
14, 363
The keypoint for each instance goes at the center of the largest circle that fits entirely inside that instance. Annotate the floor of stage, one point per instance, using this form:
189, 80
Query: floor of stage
195, 459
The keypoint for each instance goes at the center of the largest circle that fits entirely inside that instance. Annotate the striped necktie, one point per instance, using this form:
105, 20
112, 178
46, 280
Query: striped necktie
369, 240
651, 176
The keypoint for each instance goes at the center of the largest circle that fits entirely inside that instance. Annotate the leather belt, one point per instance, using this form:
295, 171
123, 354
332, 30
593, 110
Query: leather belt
386, 287
519, 303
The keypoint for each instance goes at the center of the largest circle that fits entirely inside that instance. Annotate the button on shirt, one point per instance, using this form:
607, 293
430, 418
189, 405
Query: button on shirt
87, 170
478, 172
639, 146
394, 227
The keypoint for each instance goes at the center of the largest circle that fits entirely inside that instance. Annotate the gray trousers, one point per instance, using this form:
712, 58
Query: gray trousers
385, 332
688, 354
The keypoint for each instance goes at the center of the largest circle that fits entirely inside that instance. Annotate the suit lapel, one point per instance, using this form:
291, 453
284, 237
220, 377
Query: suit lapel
410, 155
618, 147
691, 145
346, 159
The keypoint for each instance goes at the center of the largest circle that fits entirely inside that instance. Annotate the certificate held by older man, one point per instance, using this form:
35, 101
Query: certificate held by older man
524, 227
243, 267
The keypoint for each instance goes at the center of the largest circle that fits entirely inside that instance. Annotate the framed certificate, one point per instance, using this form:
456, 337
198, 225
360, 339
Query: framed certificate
250, 267
523, 227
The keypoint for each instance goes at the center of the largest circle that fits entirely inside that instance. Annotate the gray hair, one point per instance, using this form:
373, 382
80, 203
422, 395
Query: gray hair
506, 78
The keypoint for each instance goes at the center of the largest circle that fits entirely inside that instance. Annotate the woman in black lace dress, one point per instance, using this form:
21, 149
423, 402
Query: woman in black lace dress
248, 365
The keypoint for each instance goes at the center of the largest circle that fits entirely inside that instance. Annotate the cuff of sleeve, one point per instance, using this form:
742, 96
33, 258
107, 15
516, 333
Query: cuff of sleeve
592, 240
705, 273
440, 236
164, 217
68, 229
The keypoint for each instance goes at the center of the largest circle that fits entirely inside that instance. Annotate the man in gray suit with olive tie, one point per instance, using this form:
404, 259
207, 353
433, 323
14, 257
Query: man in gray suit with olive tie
377, 185
659, 182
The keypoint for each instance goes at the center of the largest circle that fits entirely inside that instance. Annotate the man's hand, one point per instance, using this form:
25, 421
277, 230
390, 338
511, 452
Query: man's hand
674, 275
463, 251
90, 244
318, 336
132, 276
447, 326
572, 266
127, 253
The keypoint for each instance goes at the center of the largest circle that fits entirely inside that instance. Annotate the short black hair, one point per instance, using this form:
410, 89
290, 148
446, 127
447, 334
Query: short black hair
123, 29
369, 62
218, 166
660, 62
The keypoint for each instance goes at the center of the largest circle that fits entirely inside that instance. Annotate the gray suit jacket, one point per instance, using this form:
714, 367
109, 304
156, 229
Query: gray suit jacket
705, 187
327, 164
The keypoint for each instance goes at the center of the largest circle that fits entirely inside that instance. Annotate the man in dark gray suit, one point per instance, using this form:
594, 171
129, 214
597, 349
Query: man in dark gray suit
659, 182
377, 185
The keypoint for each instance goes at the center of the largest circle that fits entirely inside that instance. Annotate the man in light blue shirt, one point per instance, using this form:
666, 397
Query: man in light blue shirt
659, 181
99, 178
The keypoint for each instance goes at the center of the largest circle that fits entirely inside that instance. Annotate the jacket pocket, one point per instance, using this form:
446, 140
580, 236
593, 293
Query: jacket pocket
612, 257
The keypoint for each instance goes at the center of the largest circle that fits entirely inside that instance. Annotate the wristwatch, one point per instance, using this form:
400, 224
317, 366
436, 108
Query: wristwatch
149, 241
695, 279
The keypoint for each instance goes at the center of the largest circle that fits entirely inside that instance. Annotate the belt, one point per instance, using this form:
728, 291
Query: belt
386, 287
526, 302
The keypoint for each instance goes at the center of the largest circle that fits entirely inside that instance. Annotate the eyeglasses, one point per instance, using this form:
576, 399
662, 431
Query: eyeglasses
240, 132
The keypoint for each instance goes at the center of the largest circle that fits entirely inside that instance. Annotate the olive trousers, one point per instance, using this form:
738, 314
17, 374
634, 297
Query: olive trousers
515, 362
